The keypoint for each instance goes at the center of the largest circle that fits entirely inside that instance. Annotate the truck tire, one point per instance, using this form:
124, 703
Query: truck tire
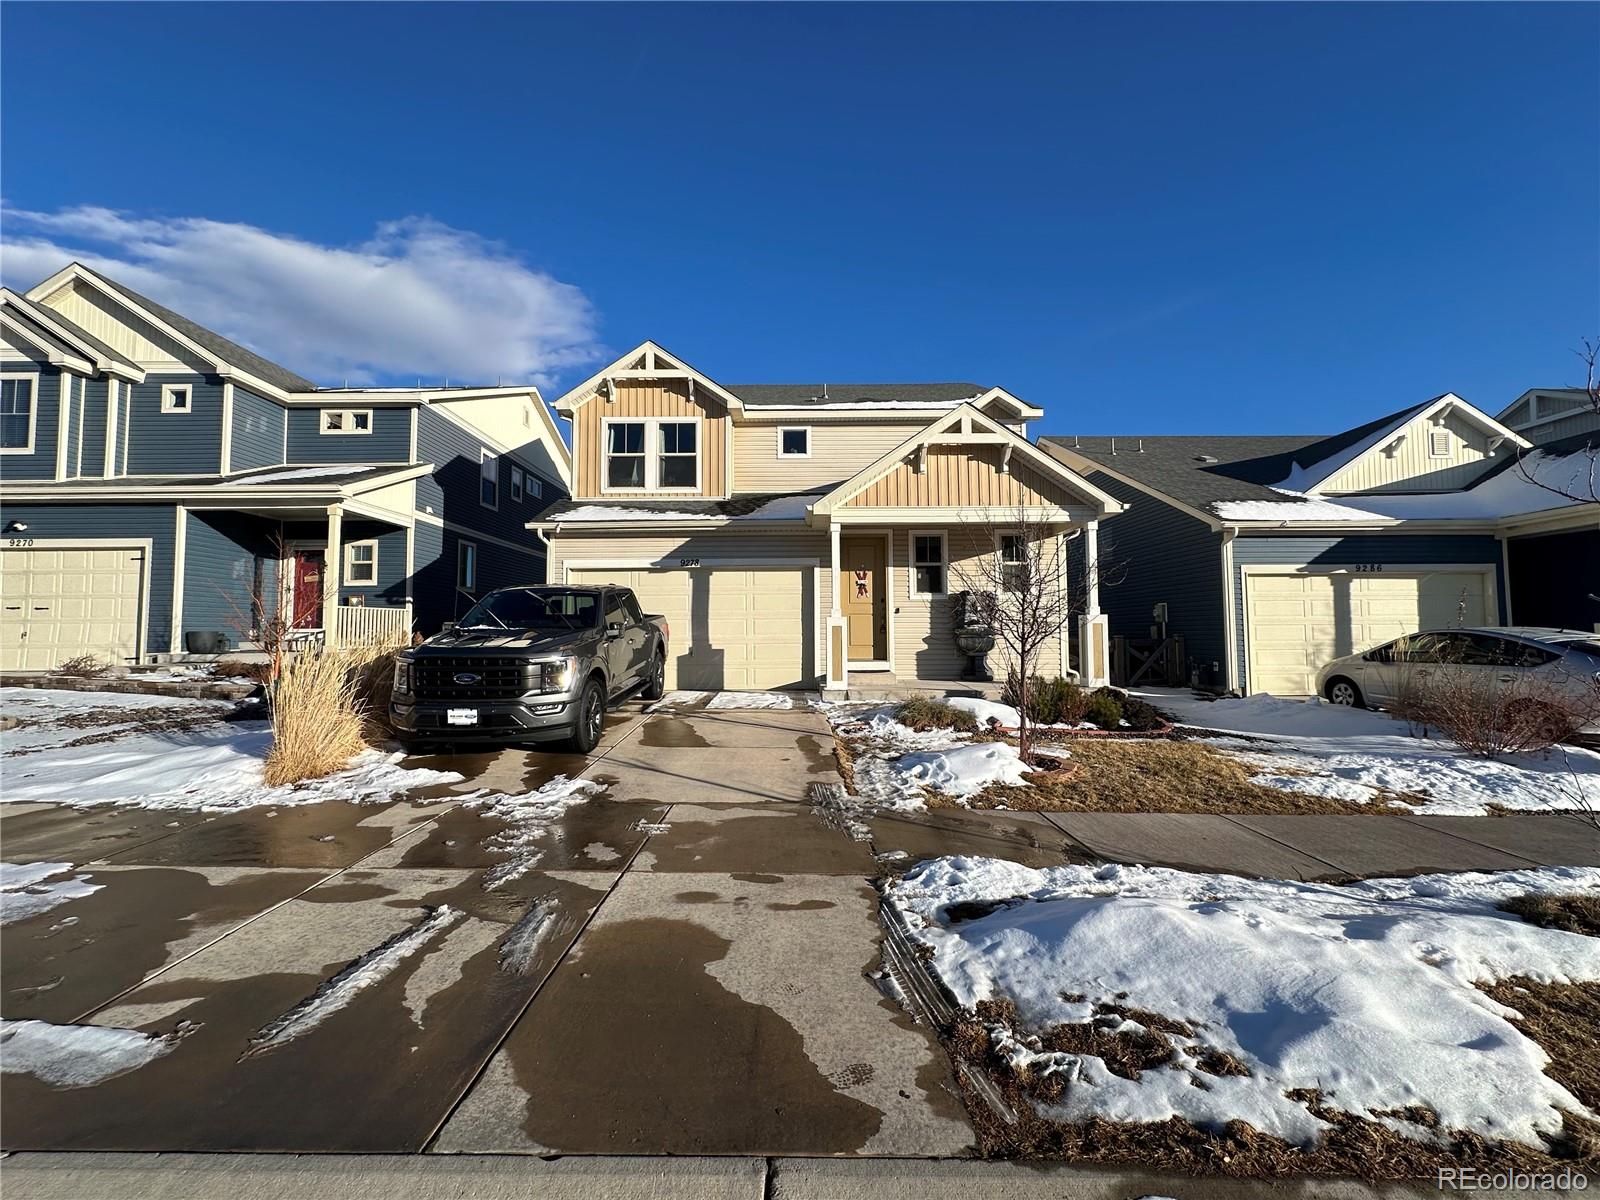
655, 682
590, 719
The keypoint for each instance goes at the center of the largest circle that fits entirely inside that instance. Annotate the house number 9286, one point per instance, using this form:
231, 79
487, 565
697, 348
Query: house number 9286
1368, 568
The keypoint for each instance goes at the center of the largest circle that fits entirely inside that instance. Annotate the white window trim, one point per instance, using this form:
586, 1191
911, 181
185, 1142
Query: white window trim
532, 485
351, 414
805, 429
652, 456
1000, 536
486, 456
349, 561
516, 484
470, 585
33, 409
169, 390
911, 559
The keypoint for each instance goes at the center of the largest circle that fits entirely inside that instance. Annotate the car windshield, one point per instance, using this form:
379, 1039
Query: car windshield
525, 608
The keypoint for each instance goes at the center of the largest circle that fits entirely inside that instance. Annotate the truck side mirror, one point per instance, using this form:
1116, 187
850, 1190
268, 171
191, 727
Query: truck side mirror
613, 629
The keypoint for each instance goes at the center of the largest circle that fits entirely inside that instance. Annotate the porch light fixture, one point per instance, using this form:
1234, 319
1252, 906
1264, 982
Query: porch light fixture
16, 526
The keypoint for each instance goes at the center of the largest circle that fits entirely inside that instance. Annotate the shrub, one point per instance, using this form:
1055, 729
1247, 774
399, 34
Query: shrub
85, 666
1104, 711
1139, 715
1050, 701
326, 706
925, 712
256, 671
1489, 719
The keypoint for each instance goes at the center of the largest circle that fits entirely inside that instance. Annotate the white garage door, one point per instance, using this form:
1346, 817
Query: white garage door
61, 603
739, 629
1295, 623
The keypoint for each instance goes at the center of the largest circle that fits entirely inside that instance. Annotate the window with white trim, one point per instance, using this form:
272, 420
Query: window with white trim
488, 480
467, 566
679, 465
177, 398
361, 564
533, 484
1439, 445
516, 485
17, 410
651, 454
794, 442
346, 420
1013, 562
625, 458
928, 562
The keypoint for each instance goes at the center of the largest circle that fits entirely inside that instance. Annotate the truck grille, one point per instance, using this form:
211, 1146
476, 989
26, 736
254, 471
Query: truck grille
494, 678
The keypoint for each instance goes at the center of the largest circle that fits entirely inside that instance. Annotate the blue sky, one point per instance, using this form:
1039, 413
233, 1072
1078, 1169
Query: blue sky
1161, 218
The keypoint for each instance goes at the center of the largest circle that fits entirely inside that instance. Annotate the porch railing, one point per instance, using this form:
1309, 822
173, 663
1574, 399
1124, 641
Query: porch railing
363, 624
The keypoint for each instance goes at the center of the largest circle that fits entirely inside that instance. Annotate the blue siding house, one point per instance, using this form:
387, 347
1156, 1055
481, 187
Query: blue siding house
164, 489
1272, 555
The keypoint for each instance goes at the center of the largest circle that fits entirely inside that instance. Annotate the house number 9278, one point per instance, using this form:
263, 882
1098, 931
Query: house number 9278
1367, 568
688, 562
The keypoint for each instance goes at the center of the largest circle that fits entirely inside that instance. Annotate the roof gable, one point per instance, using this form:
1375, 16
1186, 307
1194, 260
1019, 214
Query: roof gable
645, 361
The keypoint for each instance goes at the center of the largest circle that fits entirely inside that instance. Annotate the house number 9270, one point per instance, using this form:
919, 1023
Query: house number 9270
1367, 568
19, 543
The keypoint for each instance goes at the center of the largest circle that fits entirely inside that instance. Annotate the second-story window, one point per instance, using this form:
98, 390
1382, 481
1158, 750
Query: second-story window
176, 398
347, 420
651, 454
516, 484
489, 480
680, 461
625, 454
16, 414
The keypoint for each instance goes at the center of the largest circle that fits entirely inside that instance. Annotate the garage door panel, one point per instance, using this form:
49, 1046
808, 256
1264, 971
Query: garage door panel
63, 603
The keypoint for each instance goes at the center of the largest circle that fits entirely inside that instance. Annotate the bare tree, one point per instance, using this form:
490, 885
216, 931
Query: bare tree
1572, 477
1022, 562
262, 617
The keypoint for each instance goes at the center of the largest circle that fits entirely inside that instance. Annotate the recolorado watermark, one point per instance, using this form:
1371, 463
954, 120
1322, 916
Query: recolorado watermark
1471, 1179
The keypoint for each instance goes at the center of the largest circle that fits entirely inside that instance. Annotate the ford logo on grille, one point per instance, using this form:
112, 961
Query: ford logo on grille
465, 678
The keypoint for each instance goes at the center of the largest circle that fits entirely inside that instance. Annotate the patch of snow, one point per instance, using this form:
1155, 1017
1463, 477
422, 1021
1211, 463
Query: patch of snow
679, 700
617, 512
54, 717
528, 818
520, 948
1359, 755
987, 710
293, 474
727, 700
75, 1056
15, 876
28, 889
371, 969
1367, 992
784, 508
966, 770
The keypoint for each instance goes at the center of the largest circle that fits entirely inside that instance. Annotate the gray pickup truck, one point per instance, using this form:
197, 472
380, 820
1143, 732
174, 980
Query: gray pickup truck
530, 664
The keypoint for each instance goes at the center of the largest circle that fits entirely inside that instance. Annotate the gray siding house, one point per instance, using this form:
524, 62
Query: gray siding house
1275, 554
162, 487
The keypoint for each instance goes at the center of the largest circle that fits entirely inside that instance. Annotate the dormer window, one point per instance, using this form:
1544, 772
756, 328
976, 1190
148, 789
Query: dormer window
653, 454
346, 420
794, 442
177, 398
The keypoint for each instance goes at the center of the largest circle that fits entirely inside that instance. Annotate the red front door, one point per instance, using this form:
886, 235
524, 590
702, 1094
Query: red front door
308, 567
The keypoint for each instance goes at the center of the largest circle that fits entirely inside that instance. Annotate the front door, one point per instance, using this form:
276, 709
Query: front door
864, 600
309, 566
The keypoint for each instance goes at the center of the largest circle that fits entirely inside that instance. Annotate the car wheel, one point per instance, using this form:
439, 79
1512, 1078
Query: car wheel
655, 683
591, 719
1343, 692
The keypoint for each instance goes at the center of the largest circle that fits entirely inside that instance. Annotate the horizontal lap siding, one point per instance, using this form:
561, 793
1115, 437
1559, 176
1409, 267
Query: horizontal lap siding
1394, 550
220, 555
89, 455
41, 464
389, 441
663, 398
180, 443
452, 491
838, 451
959, 475
76, 522
392, 587
259, 428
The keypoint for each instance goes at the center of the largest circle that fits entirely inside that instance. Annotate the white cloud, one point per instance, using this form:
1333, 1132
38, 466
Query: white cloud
418, 298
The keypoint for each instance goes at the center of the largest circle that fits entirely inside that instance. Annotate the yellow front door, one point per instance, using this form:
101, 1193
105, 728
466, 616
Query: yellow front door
863, 599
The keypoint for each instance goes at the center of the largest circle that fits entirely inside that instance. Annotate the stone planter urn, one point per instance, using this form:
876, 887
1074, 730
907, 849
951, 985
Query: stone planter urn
974, 633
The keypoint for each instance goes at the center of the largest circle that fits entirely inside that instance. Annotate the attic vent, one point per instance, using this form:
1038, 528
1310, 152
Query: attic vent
1206, 458
1438, 443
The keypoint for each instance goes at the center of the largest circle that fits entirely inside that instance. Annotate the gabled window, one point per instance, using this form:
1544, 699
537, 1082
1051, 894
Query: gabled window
927, 565
17, 412
467, 566
516, 485
1013, 562
177, 398
794, 442
488, 480
346, 420
361, 564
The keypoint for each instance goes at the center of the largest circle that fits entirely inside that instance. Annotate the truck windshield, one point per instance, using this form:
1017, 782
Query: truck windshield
521, 608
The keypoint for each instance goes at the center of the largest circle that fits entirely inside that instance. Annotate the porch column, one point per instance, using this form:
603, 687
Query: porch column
1094, 633
838, 667
332, 576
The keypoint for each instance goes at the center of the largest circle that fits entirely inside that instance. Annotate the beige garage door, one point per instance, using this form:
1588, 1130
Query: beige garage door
61, 603
739, 629
1295, 623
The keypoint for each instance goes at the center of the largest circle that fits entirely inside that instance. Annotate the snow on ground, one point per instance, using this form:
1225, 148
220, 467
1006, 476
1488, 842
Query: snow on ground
679, 700
528, 817
965, 771
28, 889
724, 700
987, 710
75, 1056
1357, 754
53, 717
1366, 992
214, 769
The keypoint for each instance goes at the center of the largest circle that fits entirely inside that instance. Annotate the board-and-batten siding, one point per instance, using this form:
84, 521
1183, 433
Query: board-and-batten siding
120, 329
176, 443
389, 441
1567, 426
957, 476
1382, 550
41, 464
838, 451
258, 432
650, 398
1409, 467
106, 522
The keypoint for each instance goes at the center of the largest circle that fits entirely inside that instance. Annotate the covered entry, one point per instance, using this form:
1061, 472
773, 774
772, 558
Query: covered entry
733, 626
61, 602
1297, 621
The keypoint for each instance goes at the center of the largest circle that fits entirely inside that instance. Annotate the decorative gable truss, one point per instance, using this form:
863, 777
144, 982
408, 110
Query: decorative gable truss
646, 362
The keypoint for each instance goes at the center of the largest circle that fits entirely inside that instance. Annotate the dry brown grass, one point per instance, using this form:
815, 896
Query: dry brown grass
1571, 914
1564, 1018
326, 706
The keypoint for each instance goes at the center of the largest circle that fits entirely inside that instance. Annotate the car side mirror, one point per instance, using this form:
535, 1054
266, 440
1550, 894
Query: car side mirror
613, 629
447, 627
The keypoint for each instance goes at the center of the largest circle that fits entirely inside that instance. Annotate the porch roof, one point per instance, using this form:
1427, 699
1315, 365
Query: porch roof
325, 483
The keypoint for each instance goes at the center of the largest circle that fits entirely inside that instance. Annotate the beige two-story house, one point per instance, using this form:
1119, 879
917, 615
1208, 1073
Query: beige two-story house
806, 535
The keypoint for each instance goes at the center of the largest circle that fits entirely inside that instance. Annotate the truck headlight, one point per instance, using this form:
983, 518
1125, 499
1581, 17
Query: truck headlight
402, 678
557, 676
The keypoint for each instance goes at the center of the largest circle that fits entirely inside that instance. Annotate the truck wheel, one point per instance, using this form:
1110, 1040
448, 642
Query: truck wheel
591, 717
655, 683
